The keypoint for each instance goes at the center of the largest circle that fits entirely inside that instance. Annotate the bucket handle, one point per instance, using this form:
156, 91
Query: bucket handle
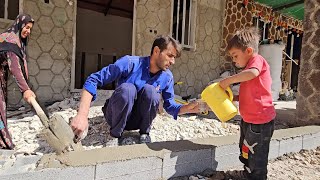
230, 94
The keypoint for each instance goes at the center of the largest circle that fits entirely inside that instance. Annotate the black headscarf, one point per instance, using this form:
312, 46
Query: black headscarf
11, 40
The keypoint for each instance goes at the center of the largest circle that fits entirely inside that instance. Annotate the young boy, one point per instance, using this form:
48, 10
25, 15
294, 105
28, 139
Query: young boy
255, 103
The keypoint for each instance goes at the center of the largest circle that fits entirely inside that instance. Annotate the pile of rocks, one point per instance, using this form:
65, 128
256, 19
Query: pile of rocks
26, 128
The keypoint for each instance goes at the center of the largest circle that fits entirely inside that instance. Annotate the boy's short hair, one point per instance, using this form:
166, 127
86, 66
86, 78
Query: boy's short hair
244, 38
163, 41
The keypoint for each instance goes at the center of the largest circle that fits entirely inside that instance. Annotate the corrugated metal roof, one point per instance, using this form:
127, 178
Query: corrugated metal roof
293, 8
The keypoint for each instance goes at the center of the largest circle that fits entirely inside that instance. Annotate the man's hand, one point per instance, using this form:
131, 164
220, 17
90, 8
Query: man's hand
192, 107
79, 125
27, 95
225, 83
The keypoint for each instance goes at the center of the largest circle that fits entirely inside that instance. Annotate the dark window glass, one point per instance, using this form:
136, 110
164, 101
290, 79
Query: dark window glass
13, 9
2, 8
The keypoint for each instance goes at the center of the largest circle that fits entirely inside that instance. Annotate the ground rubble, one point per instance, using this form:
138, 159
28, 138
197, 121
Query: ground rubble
25, 130
30, 146
304, 165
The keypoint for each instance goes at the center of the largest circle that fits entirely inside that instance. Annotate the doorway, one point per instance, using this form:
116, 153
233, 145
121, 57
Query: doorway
103, 34
294, 46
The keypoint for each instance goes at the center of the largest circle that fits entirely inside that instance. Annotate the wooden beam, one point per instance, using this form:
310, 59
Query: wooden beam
108, 7
288, 5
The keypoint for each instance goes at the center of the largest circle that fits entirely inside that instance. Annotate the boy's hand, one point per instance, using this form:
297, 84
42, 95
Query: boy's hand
225, 83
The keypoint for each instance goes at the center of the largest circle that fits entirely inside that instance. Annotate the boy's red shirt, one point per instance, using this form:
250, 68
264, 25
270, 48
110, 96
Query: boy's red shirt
255, 99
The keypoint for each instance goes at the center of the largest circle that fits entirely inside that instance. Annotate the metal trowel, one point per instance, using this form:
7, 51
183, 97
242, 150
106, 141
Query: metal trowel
57, 131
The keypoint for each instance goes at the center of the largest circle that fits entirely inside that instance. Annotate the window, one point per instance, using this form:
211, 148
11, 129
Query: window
183, 22
9, 9
262, 26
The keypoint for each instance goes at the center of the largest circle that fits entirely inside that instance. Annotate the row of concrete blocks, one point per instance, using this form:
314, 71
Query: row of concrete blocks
176, 158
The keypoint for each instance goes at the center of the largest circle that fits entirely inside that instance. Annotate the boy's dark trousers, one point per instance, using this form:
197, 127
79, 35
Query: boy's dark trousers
129, 109
254, 148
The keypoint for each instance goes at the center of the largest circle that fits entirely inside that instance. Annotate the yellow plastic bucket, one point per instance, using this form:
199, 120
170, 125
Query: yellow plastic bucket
219, 101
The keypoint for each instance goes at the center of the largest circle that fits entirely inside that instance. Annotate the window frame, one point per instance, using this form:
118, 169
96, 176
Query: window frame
6, 3
266, 27
191, 45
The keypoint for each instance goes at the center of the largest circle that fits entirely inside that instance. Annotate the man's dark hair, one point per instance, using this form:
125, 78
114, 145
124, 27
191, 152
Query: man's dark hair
163, 41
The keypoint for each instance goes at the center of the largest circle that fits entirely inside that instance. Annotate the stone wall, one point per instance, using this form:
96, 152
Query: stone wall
238, 16
195, 68
5, 24
152, 19
50, 50
308, 100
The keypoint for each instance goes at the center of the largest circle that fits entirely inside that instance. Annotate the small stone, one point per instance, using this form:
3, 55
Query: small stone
201, 177
218, 176
22, 108
208, 172
193, 178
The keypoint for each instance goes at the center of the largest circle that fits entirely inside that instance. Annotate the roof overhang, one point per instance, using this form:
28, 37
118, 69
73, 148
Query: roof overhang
123, 8
291, 8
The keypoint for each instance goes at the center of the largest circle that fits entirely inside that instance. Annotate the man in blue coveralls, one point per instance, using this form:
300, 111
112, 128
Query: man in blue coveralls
140, 82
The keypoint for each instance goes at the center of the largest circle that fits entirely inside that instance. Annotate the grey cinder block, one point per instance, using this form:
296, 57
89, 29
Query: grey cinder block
183, 157
274, 149
124, 168
311, 141
289, 145
186, 168
77, 173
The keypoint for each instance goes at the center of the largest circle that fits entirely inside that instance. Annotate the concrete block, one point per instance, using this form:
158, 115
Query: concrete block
226, 162
146, 175
225, 156
274, 149
128, 167
54, 174
6, 166
186, 169
183, 157
27, 160
4, 154
2, 162
311, 141
295, 132
22, 165
288, 145
229, 149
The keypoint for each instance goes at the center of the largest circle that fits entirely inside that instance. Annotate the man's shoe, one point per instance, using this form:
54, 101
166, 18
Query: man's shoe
145, 138
112, 141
